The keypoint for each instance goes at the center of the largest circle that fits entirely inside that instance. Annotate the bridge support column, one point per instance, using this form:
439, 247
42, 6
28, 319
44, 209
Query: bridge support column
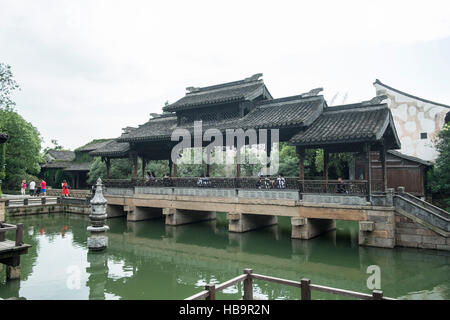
176, 217
241, 222
12, 273
113, 211
378, 230
308, 228
12, 267
143, 213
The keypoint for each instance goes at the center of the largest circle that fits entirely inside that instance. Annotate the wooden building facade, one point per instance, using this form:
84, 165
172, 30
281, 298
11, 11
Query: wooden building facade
401, 170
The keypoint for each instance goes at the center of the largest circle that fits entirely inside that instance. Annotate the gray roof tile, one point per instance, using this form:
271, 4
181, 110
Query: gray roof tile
112, 148
350, 123
285, 112
61, 155
246, 89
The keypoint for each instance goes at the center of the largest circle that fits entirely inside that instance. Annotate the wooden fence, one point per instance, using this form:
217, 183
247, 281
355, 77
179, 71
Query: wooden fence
5, 227
304, 284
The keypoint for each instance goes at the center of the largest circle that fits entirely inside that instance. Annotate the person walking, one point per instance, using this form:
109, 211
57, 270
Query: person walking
43, 188
65, 188
32, 187
23, 187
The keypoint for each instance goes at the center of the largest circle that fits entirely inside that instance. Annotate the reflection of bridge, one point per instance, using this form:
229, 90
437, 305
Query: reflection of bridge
388, 220
171, 250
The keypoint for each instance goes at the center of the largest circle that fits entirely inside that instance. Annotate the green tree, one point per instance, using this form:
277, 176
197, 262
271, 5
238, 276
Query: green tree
7, 85
22, 148
338, 163
438, 179
120, 169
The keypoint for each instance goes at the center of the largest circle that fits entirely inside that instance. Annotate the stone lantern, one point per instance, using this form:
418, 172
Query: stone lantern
98, 239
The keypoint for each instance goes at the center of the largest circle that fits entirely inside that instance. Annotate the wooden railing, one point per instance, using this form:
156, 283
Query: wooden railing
304, 284
5, 227
352, 187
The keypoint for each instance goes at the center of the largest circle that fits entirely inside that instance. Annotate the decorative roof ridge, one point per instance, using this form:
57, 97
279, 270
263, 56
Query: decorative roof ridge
355, 107
220, 87
267, 103
410, 95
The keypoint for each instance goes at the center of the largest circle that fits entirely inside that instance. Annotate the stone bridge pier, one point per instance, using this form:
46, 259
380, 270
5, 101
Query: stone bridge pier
135, 213
113, 211
176, 217
241, 222
308, 228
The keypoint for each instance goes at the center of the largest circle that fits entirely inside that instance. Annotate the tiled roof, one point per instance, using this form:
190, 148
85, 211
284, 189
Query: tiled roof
154, 129
410, 158
95, 144
57, 165
285, 112
83, 166
60, 155
112, 148
348, 123
247, 89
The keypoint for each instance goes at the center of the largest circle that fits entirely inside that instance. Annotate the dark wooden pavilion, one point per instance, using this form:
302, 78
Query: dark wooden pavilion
304, 120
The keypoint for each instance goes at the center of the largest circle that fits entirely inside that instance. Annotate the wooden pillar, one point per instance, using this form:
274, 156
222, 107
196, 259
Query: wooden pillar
326, 157
134, 166
208, 161
174, 170
369, 170
383, 167
238, 170
301, 169
269, 151
143, 167
108, 167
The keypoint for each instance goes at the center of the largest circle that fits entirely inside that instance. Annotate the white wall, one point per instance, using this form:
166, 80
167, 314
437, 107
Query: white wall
411, 118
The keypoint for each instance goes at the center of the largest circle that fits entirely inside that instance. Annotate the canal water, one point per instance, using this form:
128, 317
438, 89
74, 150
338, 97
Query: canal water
148, 260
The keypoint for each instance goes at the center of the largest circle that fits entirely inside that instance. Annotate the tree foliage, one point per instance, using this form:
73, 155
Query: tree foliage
438, 179
7, 85
22, 148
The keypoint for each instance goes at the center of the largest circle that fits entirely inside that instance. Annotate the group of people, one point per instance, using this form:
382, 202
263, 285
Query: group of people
203, 181
151, 176
41, 188
267, 183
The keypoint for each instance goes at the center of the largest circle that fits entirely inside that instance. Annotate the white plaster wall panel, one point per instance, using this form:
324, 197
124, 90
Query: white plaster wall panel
413, 117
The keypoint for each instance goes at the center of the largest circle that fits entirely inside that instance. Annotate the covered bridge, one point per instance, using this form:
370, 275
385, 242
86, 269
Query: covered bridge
304, 120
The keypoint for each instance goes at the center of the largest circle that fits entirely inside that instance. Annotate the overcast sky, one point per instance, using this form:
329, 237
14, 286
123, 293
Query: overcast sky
89, 68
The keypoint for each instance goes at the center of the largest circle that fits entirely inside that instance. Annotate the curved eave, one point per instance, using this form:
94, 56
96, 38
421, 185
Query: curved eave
371, 138
109, 154
410, 95
142, 139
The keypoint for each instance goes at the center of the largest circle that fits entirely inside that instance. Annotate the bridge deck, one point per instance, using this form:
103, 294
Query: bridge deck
8, 249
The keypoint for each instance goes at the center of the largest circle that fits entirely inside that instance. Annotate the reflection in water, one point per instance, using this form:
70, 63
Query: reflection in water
148, 260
